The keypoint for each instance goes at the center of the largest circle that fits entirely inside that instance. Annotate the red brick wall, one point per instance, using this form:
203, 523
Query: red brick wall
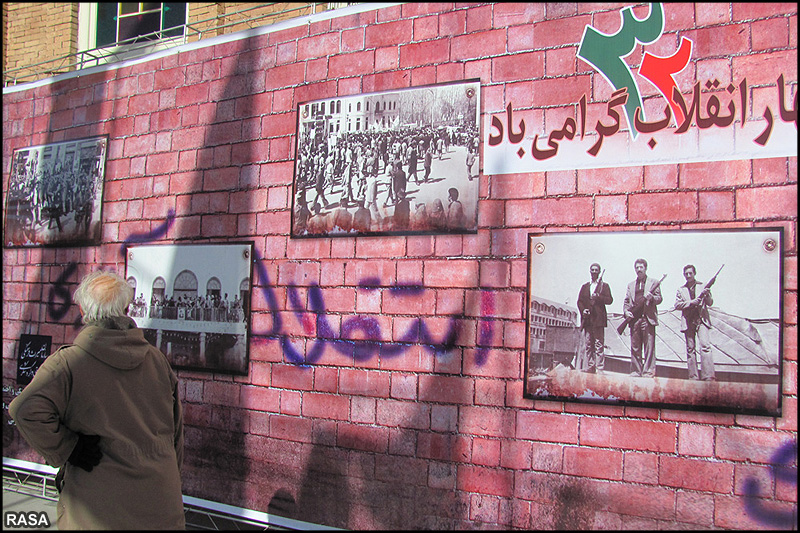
421, 439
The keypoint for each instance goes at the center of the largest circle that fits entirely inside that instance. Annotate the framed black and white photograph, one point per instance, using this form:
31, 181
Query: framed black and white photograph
193, 301
679, 319
55, 194
394, 162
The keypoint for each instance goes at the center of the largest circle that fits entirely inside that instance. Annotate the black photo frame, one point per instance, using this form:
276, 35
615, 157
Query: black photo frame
55, 194
396, 162
746, 314
193, 301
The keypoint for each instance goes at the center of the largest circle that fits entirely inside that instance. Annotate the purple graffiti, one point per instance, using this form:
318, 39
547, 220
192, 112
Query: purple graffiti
345, 343
486, 328
160, 231
781, 463
372, 344
59, 289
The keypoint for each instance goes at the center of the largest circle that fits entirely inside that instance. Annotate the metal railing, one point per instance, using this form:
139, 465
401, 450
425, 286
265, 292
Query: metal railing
38, 480
142, 45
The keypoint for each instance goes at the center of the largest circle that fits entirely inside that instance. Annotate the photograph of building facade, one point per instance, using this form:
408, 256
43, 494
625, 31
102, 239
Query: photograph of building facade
381, 378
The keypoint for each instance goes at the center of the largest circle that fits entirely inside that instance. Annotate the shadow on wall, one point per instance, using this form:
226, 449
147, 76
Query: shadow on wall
216, 465
344, 486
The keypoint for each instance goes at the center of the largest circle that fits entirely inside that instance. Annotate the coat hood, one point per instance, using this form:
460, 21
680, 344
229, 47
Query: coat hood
115, 341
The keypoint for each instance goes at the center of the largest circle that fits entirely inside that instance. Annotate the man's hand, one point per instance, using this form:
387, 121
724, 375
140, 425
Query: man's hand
87, 453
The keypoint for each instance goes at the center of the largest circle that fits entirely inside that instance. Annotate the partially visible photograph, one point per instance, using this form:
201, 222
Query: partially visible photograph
396, 162
193, 301
55, 194
681, 319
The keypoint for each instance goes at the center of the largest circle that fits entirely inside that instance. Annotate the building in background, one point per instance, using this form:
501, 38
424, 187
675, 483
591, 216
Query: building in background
43, 39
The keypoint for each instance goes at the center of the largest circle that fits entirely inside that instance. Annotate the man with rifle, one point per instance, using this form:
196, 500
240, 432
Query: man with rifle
593, 298
693, 300
639, 308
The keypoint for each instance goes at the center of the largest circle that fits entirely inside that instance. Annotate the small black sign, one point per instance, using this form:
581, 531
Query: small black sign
33, 350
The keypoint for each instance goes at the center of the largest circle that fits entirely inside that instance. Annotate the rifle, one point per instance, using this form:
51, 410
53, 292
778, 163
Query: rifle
595, 294
709, 284
638, 309
599, 284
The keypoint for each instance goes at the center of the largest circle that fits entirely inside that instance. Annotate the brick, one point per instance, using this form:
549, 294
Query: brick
714, 174
695, 474
351, 64
290, 428
773, 33
328, 406
291, 377
424, 53
389, 33
765, 68
716, 205
447, 389
443, 447
550, 33
656, 207
548, 427
405, 470
694, 508
766, 202
452, 273
609, 180
638, 500
730, 512
641, 468
402, 414
168, 78
520, 38
695, 440
518, 66
559, 211
748, 444
364, 383
485, 480
486, 421
514, 13
192, 94
479, 44
220, 393
757, 10
642, 435
285, 76
367, 438
592, 462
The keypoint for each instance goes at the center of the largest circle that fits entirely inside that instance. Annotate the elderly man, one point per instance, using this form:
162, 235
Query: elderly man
106, 410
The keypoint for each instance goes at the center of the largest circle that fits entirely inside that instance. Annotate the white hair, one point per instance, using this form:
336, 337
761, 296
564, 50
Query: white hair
103, 295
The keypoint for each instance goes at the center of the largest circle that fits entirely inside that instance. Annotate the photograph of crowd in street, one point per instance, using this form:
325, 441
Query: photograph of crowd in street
193, 302
55, 194
399, 162
679, 318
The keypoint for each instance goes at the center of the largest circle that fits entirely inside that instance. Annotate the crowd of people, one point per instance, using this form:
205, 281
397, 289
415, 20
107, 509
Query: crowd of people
42, 195
210, 308
369, 172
